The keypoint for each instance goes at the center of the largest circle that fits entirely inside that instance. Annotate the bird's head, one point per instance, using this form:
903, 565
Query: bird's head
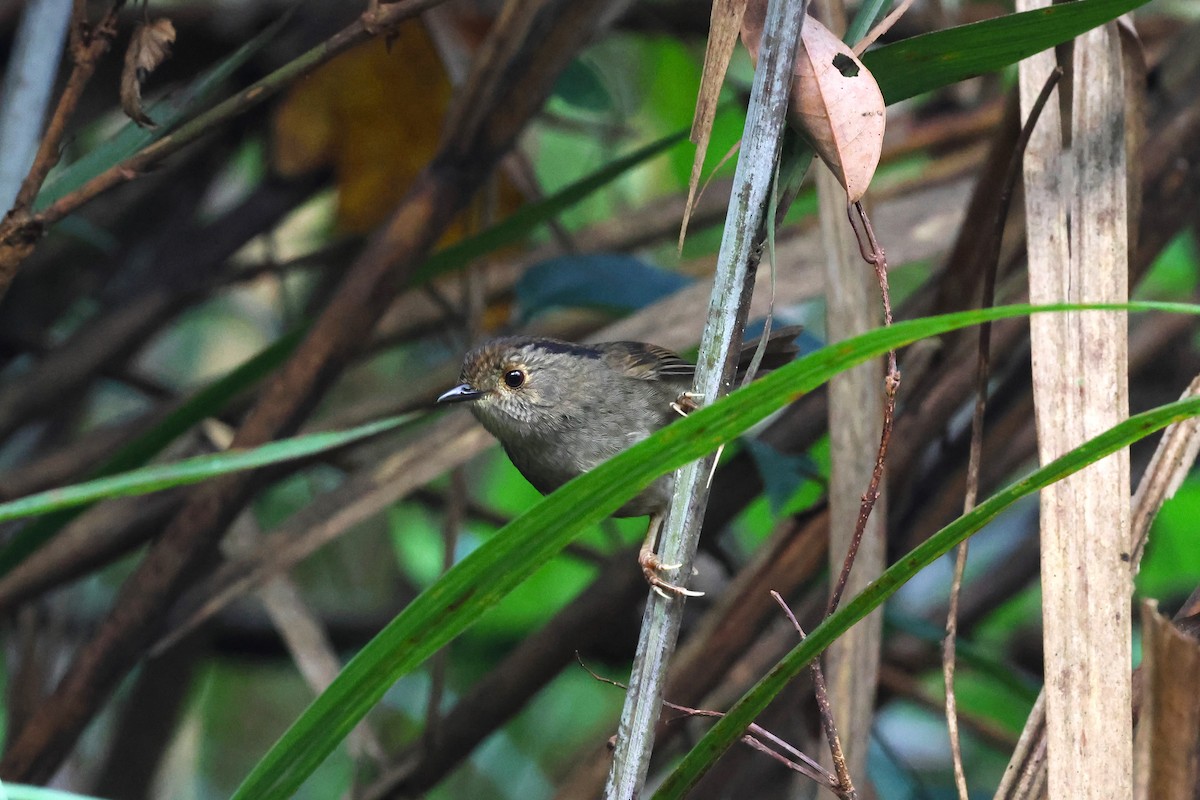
518, 382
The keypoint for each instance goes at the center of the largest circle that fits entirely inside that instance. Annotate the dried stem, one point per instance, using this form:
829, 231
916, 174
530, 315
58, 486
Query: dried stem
755, 734
876, 258
715, 367
976, 448
845, 786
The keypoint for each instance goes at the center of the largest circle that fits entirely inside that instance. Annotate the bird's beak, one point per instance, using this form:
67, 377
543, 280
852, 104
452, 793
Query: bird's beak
460, 394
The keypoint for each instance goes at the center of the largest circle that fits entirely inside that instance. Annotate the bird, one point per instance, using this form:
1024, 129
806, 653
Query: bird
560, 408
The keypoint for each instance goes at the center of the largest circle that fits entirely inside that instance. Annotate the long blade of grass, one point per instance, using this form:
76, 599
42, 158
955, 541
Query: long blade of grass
869, 13
193, 470
730, 727
933, 60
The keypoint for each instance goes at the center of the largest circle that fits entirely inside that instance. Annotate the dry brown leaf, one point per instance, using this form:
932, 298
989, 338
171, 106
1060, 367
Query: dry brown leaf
1168, 733
835, 102
839, 106
149, 46
752, 26
723, 30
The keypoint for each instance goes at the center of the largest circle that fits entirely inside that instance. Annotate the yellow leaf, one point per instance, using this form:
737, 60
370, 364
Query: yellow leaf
373, 115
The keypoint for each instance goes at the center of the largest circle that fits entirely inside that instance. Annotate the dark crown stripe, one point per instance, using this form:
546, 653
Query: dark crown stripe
567, 348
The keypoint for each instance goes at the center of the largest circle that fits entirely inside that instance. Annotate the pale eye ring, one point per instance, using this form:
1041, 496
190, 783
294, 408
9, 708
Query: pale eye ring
514, 378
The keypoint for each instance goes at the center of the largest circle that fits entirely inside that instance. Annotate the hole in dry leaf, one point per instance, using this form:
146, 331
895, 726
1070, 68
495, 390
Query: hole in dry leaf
845, 65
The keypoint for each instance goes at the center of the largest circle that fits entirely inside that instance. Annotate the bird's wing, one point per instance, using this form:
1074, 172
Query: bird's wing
647, 362
650, 362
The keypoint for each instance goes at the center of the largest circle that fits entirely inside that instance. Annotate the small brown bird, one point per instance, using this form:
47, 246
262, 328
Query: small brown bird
560, 408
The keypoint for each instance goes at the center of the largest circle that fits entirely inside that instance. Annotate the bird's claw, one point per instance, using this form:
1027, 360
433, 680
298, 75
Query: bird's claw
684, 405
651, 567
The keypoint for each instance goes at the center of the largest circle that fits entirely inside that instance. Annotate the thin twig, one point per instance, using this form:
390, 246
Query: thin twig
803, 764
876, 258
948, 645
845, 786
975, 455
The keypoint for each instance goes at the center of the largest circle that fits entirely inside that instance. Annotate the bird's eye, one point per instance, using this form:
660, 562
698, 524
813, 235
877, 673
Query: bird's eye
514, 378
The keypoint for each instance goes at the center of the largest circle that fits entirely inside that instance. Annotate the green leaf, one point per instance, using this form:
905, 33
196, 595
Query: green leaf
193, 470
204, 403
168, 113
933, 60
483, 578
730, 727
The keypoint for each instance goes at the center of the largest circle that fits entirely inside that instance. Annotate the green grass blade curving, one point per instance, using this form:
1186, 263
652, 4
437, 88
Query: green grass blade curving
193, 470
930, 61
484, 577
730, 727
